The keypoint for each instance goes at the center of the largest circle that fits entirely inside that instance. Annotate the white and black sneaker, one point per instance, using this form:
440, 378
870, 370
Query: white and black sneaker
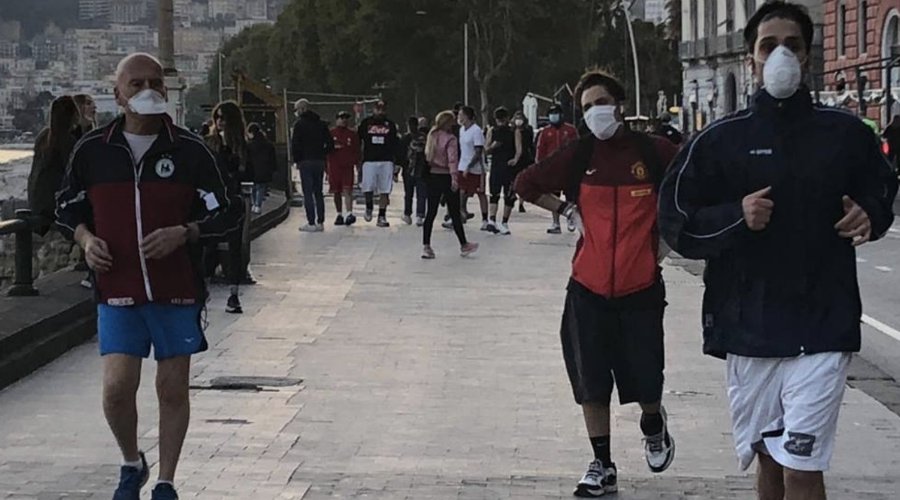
597, 481
659, 450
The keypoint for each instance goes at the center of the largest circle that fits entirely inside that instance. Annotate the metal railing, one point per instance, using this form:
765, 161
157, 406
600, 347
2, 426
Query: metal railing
23, 282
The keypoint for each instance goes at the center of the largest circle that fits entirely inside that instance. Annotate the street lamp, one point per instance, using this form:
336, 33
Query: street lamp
637, 73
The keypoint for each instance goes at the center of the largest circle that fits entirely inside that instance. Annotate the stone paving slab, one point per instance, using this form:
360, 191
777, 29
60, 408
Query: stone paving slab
439, 379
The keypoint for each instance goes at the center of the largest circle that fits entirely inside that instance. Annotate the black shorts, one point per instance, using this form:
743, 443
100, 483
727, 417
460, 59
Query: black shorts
603, 346
501, 181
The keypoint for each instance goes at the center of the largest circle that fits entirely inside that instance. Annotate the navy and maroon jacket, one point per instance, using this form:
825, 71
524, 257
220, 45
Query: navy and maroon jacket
177, 182
616, 258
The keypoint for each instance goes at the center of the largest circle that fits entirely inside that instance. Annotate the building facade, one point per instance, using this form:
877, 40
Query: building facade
861, 39
90, 10
717, 78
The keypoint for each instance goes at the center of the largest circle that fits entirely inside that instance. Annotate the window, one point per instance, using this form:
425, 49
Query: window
695, 29
862, 26
711, 19
841, 24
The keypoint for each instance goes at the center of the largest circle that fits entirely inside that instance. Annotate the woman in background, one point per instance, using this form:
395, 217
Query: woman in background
261, 152
88, 111
51, 154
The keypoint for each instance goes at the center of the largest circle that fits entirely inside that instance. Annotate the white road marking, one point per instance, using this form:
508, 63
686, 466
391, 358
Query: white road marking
860, 261
884, 269
894, 230
881, 327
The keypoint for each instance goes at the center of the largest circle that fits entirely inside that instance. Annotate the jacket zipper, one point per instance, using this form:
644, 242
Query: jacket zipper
615, 238
138, 169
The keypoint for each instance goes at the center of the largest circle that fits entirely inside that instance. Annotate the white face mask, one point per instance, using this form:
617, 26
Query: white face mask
148, 102
519, 123
555, 118
782, 73
601, 120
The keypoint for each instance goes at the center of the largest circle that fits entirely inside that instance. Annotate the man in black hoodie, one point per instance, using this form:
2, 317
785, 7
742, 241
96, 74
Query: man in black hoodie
381, 147
310, 145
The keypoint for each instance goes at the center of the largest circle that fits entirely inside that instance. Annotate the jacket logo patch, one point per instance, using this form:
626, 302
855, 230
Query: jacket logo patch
639, 171
761, 152
165, 168
799, 444
637, 193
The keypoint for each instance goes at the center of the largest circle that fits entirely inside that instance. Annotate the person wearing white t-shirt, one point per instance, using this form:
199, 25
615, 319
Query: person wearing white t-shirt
471, 162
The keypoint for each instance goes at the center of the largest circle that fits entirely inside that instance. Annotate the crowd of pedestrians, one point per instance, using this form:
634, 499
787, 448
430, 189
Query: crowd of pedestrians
776, 221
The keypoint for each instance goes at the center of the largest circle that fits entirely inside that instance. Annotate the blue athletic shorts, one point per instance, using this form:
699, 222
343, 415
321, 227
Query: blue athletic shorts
171, 330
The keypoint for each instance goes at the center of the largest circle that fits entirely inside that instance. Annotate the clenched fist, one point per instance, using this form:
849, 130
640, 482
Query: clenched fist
758, 209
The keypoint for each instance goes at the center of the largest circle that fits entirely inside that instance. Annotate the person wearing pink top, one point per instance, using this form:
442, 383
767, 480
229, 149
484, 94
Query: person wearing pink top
442, 154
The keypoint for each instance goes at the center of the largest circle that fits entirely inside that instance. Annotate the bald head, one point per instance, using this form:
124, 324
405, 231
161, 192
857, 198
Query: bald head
138, 72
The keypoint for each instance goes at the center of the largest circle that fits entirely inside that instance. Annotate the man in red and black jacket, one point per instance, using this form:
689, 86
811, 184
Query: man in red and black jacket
550, 138
139, 196
612, 328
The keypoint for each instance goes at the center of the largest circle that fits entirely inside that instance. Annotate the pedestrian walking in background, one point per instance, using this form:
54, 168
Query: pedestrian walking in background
441, 152
549, 140
504, 144
52, 149
471, 163
342, 163
88, 110
776, 198
310, 144
228, 141
381, 149
263, 160
141, 175
612, 327
414, 164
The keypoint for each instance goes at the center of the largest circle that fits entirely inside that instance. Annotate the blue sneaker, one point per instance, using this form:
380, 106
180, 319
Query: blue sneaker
164, 492
131, 480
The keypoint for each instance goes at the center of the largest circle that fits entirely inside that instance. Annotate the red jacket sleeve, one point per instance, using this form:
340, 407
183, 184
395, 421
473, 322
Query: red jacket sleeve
547, 176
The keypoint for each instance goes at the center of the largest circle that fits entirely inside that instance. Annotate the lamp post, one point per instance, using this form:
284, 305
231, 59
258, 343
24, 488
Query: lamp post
637, 73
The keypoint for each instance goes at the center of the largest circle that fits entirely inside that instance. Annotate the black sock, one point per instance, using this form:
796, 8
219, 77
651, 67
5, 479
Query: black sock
600, 445
370, 202
382, 212
651, 423
494, 218
505, 220
484, 216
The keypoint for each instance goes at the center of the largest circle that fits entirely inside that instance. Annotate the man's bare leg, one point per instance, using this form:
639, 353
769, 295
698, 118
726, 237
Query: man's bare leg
769, 478
596, 419
121, 379
338, 205
483, 203
802, 485
172, 380
384, 201
348, 200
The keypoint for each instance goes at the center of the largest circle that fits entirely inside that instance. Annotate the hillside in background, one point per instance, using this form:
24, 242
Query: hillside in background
36, 14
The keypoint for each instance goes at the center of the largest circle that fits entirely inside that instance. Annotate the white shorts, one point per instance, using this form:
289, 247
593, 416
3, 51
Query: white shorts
377, 177
787, 408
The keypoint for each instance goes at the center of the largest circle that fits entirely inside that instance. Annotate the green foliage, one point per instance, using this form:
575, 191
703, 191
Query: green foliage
412, 50
33, 116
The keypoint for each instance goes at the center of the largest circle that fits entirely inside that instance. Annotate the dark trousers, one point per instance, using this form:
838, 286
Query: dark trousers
239, 245
417, 187
439, 186
312, 178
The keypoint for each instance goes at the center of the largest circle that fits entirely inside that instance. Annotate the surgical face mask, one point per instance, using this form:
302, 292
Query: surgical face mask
782, 73
519, 123
602, 122
555, 118
148, 102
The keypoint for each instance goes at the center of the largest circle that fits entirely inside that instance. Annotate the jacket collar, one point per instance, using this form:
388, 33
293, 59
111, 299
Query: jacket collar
795, 106
167, 139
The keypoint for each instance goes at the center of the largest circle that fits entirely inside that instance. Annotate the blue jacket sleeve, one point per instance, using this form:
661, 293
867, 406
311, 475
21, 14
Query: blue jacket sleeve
875, 186
693, 219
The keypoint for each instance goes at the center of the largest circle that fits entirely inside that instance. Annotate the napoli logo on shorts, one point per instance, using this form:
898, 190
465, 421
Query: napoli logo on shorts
165, 167
800, 444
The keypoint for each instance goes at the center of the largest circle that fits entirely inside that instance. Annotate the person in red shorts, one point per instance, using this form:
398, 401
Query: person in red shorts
341, 164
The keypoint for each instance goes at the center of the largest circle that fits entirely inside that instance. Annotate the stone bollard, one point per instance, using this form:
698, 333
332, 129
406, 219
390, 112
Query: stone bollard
23, 286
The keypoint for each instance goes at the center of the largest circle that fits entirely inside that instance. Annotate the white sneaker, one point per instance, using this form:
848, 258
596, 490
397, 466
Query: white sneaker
320, 228
597, 481
659, 450
554, 229
503, 229
570, 225
447, 224
420, 221
489, 226
309, 228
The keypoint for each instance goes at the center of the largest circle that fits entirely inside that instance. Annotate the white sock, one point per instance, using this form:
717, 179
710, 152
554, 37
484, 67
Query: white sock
137, 464
159, 482
348, 213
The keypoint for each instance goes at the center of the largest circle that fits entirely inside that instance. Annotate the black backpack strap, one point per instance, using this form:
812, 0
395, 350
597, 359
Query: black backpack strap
650, 156
580, 163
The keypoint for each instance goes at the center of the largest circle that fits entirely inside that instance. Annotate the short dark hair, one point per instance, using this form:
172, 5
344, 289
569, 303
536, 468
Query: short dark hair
458, 106
413, 122
501, 113
600, 79
779, 10
469, 111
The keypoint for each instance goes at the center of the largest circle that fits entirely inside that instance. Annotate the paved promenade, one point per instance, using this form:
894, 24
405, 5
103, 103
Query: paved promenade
382, 376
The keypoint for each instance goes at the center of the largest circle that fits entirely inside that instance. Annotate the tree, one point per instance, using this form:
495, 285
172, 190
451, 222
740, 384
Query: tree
33, 116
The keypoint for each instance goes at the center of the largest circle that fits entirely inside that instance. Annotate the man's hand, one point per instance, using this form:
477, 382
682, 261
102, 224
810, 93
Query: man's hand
856, 224
758, 209
96, 253
161, 243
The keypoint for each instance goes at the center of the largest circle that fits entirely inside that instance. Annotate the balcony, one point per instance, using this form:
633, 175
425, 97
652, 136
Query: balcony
721, 45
